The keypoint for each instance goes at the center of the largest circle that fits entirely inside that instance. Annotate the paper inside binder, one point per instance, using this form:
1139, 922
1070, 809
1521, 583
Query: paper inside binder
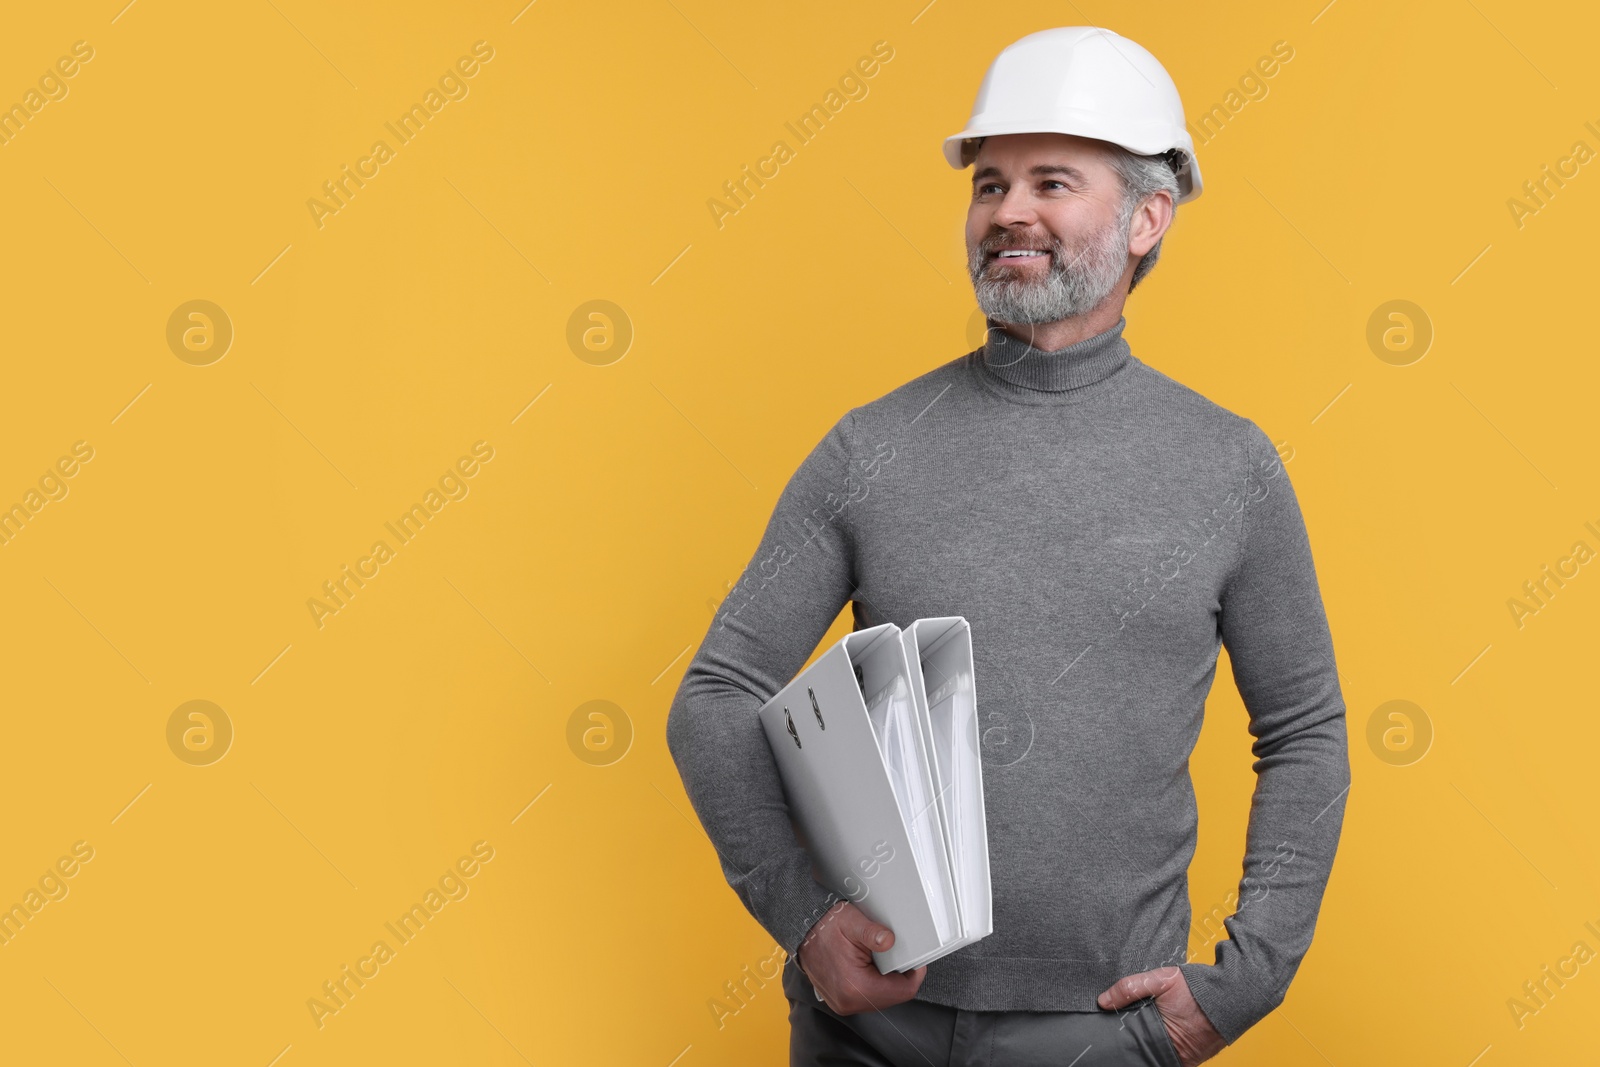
951, 709
891, 710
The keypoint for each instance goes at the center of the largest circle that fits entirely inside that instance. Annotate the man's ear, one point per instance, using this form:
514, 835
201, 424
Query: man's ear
1150, 221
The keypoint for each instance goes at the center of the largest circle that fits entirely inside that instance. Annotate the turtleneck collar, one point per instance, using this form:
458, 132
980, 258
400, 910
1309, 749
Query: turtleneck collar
1066, 372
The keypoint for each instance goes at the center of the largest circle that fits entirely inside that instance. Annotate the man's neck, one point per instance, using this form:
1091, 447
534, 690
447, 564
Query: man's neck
1053, 336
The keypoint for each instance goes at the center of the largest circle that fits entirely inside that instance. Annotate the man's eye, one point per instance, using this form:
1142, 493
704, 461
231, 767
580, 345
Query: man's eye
1052, 181
982, 189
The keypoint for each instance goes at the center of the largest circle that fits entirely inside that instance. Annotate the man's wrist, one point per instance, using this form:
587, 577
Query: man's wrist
805, 973
824, 913
1231, 1000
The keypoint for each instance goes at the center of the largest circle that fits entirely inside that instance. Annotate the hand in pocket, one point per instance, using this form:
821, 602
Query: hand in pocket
1191, 1032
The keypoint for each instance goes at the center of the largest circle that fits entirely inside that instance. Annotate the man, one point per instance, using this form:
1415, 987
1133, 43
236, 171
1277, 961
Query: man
1105, 530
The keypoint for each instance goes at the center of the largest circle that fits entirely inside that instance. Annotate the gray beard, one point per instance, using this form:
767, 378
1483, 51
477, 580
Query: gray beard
1073, 286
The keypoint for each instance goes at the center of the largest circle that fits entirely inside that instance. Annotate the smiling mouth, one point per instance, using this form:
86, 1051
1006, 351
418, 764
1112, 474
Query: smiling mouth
1019, 255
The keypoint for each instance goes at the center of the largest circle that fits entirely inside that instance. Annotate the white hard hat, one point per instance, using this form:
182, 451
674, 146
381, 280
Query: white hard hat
1086, 81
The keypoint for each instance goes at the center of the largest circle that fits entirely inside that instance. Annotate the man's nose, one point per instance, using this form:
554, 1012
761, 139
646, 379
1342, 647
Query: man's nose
1016, 207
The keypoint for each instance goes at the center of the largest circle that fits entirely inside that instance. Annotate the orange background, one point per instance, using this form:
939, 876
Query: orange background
629, 483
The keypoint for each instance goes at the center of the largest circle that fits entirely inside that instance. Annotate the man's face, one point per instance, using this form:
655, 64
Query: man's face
1045, 236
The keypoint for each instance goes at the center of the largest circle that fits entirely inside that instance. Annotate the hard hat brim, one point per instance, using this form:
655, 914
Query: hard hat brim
958, 154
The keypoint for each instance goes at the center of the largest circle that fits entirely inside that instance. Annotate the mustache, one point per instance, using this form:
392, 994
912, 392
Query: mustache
998, 241
1061, 259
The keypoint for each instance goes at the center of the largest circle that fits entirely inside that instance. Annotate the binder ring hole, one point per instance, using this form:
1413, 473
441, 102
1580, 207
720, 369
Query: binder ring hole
789, 722
815, 708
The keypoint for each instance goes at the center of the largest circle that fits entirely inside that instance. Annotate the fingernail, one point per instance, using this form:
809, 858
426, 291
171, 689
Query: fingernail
879, 939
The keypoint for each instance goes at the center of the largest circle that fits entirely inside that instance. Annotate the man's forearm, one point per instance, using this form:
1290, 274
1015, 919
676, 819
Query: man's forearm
732, 780
1296, 817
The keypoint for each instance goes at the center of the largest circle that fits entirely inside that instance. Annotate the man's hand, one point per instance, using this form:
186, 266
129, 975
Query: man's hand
1191, 1032
837, 956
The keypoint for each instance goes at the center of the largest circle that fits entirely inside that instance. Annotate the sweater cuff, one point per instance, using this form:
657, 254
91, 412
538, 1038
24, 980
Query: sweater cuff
1232, 1002
785, 899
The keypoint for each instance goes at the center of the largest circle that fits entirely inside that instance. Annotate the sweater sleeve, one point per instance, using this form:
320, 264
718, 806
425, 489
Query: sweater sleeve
1276, 632
790, 593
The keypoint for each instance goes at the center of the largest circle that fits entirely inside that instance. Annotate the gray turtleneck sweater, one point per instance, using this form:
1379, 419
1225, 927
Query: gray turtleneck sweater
1105, 530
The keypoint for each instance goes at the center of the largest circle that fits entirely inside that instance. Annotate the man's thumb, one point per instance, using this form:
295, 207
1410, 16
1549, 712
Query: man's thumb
875, 937
1138, 986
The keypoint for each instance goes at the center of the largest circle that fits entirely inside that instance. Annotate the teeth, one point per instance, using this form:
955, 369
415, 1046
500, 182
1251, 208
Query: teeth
1014, 253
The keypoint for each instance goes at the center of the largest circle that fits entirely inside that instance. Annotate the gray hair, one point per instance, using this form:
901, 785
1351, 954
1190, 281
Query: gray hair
1141, 177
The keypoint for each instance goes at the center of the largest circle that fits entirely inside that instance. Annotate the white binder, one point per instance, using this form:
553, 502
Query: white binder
885, 786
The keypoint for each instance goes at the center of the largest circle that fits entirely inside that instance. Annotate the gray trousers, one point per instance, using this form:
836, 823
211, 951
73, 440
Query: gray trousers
919, 1034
